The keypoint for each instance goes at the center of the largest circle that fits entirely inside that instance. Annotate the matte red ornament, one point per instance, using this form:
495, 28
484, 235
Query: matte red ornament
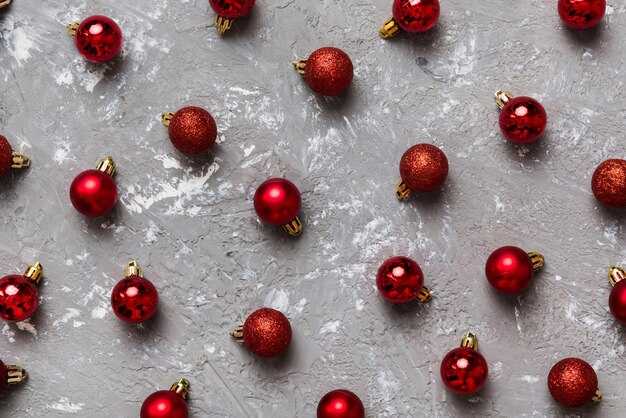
9, 158
609, 183
266, 332
411, 16
581, 14
464, 370
328, 71
340, 403
94, 192
134, 299
228, 10
278, 202
423, 168
192, 130
19, 297
511, 269
400, 280
98, 38
617, 298
10, 375
167, 403
573, 382
522, 119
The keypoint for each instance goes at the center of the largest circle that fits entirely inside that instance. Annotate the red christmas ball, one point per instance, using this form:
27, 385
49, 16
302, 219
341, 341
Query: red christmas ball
164, 404
267, 332
93, 193
329, 71
609, 183
277, 201
509, 269
192, 130
6, 156
98, 38
617, 301
416, 16
523, 120
464, 370
399, 279
134, 299
423, 168
340, 403
19, 298
581, 14
232, 9
572, 382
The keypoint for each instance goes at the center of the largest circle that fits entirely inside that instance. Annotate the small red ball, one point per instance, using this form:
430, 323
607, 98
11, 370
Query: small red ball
4, 376
423, 167
609, 183
277, 201
93, 193
267, 332
329, 71
572, 382
509, 269
399, 279
464, 370
340, 403
134, 299
617, 301
523, 120
98, 38
192, 130
232, 9
19, 298
6, 156
416, 16
581, 14
164, 404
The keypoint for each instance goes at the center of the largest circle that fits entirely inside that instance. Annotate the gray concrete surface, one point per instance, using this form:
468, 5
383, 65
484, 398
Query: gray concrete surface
191, 224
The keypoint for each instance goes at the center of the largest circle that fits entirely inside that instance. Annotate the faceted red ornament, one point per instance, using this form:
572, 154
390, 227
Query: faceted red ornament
509, 269
340, 403
19, 298
266, 332
192, 130
423, 168
9, 158
464, 371
328, 71
232, 9
573, 382
581, 14
93, 192
400, 280
134, 299
98, 38
416, 15
277, 201
167, 403
609, 183
523, 119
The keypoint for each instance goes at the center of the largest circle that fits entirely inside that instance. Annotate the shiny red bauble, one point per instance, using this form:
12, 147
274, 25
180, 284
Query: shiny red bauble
464, 370
267, 332
98, 38
581, 14
328, 71
617, 301
399, 279
572, 382
523, 120
416, 16
509, 269
423, 168
232, 9
164, 404
19, 298
93, 193
134, 299
340, 403
192, 130
609, 183
277, 201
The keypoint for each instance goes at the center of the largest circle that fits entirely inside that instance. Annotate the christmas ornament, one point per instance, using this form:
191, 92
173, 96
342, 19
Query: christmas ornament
400, 280
340, 403
617, 299
98, 38
10, 159
328, 71
411, 16
573, 382
192, 129
19, 297
93, 192
229, 10
134, 299
423, 168
266, 332
609, 183
510, 269
277, 202
522, 119
167, 403
4, 3
464, 370
11, 374
581, 14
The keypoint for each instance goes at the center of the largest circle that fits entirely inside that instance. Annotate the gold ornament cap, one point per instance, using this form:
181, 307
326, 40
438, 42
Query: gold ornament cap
133, 269
616, 275
166, 118
72, 28
237, 334
15, 374
19, 160
223, 24
34, 273
300, 66
294, 228
389, 29
4, 3
470, 340
107, 165
181, 388
502, 98
537, 259
402, 191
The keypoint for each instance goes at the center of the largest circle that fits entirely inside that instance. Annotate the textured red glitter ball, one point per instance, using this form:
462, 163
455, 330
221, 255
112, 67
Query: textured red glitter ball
572, 382
98, 38
609, 183
6, 156
416, 16
523, 120
164, 404
3, 376
192, 130
134, 299
19, 298
329, 71
509, 269
277, 201
581, 14
617, 301
232, 9
423, 168
93, 193
464, 370
399, 279
340, 403
267, 332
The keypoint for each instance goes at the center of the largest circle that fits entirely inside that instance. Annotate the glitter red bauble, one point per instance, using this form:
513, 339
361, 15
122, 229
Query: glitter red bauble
509, 269
609, 183
232, 9
416, 16
328, 71
523, 120
464, 370
192, 130
581, 14
617, 301
340, 403
423, 168
399, 279
277, 201
93, 193
19, 298
164, 404
134, 299
6, 156
572, 382
267, 332
98, 38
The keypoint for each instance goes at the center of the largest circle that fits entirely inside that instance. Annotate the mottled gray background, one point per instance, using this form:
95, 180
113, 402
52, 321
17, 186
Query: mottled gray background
190, 223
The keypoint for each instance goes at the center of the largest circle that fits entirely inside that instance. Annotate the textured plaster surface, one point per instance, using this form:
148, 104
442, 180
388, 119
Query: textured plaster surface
191, 225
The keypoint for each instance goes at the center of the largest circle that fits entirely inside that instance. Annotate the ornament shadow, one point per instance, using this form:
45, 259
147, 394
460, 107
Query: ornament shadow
145, 331
425, 41
429, 203
406, 315
587, 37
610, 213
12, 179
336, 103
532, 155
469, 405
95, 224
